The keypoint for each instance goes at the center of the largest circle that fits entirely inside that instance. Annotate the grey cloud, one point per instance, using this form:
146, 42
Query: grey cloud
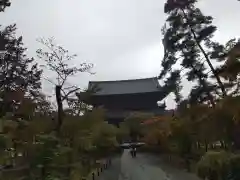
121, 37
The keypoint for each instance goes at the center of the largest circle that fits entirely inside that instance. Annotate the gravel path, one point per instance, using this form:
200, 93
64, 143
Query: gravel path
143, 167
170, 172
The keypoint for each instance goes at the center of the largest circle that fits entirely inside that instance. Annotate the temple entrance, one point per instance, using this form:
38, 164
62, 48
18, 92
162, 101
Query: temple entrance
121, 98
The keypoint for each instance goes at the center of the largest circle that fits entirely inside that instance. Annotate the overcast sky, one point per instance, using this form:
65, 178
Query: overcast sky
120, 37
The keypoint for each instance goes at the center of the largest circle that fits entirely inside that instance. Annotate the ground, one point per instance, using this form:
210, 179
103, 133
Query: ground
143, 167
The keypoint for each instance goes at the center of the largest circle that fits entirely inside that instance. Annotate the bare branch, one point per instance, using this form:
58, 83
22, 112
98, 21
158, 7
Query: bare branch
56, 60
69, 93
70, 87
65, 97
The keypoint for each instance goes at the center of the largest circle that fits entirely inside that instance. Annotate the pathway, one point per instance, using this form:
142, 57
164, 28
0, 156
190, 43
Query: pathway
143, 167
113, 170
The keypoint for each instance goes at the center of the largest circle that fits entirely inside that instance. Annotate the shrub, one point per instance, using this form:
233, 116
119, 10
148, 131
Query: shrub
214, 165
219, 166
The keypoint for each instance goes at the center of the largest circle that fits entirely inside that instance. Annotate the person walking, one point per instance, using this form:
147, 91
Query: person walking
132, 152
135, 151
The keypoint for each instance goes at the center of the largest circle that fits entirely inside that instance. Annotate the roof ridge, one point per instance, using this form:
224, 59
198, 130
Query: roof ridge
124, 80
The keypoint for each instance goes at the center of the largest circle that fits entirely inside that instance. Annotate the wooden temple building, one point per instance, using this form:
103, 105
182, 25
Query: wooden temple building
120, 98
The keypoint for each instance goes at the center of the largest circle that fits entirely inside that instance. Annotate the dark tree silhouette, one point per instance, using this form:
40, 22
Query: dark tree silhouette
173, 84
229, 54
4, 4
186, 33
19, 75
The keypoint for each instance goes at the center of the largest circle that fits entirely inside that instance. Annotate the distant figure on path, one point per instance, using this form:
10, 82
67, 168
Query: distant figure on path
133, 151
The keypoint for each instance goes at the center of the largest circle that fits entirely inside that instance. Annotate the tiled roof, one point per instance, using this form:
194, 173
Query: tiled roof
131, 86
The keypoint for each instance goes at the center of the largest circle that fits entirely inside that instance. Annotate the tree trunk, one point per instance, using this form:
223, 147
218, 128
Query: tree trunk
205, 56
43, 172
60, 106
206, 145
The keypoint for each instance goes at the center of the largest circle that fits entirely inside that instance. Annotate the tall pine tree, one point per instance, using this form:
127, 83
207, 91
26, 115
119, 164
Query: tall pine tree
186, 32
